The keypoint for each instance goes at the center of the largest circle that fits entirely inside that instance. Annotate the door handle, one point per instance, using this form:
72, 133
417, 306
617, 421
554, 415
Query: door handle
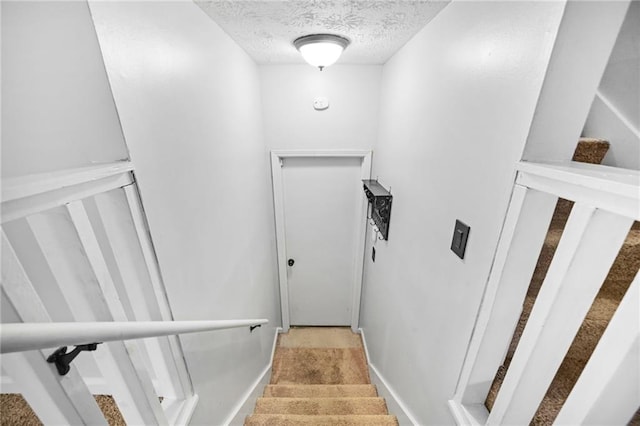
290, 262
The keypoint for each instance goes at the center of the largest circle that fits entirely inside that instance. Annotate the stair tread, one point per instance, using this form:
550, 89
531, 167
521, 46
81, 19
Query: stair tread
319, 338
320, 376
308, 391
321, 406
320, 420
329, 366
590, 150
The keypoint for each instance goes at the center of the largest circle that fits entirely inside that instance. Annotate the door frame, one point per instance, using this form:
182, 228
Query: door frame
277, 157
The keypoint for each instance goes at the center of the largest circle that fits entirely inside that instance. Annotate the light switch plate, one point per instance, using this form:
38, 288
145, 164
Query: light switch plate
460, 237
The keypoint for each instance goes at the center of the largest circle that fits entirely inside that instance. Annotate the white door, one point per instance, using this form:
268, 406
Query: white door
321, 204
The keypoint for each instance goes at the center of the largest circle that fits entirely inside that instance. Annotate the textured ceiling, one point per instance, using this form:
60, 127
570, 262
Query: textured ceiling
376, 28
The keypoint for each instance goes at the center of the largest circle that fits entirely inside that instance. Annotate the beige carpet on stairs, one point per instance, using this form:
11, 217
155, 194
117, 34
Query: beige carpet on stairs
320, 377
620, 276
15, 411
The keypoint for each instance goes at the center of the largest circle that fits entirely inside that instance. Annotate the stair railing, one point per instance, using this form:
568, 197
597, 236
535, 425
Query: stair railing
607, 202
79, 268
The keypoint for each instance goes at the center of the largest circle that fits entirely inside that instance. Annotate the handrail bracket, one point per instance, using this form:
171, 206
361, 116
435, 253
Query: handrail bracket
63, 360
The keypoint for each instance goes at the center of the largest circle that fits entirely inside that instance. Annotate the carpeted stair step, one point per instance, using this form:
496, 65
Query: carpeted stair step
334, 420
321, 337
590, 150
324, 366
321, 406
320, 376
15, 410
319, 391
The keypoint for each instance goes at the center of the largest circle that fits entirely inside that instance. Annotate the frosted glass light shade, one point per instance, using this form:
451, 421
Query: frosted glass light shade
321, 50
321, 54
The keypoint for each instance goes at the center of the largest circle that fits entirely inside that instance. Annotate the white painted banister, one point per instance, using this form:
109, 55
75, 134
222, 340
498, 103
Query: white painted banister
610, 188
86, 228
28, 186
19, 337
606, 202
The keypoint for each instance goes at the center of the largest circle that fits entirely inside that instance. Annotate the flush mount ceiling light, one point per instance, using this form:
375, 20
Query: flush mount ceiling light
321, 50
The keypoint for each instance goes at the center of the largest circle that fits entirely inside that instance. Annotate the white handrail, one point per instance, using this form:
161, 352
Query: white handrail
612, 189
18, 337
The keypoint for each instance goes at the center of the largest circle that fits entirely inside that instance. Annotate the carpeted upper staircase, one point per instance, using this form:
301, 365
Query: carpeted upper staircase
620, 276
320, 377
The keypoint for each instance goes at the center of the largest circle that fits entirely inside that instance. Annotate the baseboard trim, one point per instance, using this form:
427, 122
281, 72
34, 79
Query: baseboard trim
394, 403
275, 342
248, 400
246, 403
468, 415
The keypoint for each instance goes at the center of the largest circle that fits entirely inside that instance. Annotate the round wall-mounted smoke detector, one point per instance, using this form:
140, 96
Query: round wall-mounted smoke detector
320, 103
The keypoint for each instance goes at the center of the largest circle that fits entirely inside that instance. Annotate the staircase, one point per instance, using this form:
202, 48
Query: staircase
320, 377
620, 276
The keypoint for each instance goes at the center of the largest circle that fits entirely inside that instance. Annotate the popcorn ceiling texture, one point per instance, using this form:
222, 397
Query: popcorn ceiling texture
266, 29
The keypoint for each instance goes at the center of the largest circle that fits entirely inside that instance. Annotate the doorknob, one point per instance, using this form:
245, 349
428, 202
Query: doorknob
290, 262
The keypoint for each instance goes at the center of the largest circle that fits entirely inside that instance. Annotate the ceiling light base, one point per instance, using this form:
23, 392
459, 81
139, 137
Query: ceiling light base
321, 50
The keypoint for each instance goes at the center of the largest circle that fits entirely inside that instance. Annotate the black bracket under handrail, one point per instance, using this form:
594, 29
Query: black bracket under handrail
62, 359
253, 327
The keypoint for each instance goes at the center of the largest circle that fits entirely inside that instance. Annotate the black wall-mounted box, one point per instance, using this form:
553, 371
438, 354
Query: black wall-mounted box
380, 200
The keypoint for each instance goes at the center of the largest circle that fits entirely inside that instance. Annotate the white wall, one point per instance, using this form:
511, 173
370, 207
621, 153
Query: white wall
57, 108
615, 113
456, 105
189, 101
351, 122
